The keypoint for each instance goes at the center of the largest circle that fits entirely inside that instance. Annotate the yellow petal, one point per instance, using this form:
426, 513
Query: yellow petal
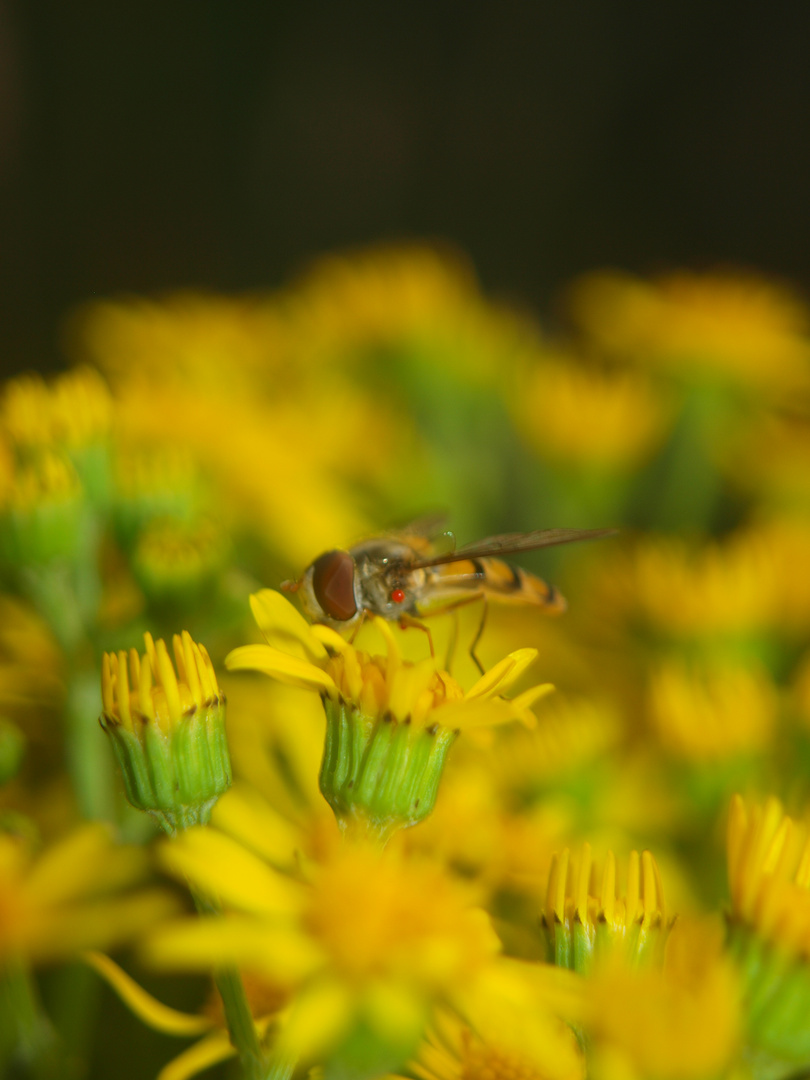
407, 686
223, 868
209, 1051
153, 1012
80, 863
280, 665
278, 951
330, 638
244, 814
523, 703
499, 678
319, 1016
480, 712
284, 627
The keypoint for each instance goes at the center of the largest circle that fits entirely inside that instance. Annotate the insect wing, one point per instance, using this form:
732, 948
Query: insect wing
509, 543
428, 536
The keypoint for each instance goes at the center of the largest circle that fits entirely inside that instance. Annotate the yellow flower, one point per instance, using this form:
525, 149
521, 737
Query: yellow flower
571, 733
187, 338
769, 457
179, 559
589, 417
734, 586
167, 729
769, 927
357, 937
678, 1023
737, 326
587, 916
769, 874
504, 1031
67, 898
712, 714
212, 377
407, 300
41, 504
75, 410
390, 723
317, 658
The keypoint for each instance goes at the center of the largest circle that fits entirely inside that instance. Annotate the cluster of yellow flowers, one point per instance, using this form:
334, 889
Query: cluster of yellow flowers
390, 863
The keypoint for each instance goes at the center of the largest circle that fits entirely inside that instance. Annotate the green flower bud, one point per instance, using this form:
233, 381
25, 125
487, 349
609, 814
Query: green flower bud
583, 918
167, 730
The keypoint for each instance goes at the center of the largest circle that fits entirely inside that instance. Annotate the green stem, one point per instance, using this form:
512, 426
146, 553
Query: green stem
26, 1035
89, 758
238, 1016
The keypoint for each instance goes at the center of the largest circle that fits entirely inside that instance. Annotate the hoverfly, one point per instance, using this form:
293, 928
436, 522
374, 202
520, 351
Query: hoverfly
401, 577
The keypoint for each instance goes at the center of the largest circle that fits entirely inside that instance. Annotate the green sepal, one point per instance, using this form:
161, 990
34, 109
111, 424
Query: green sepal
176, 775
381, 773
776, 1001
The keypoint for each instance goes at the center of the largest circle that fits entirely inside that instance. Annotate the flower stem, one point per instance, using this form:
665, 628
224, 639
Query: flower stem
26, 1035
238, 1016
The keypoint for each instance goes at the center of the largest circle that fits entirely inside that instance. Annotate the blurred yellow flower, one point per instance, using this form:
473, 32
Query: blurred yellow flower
741, 327
185, 339
412, 301
362, 936
673, 1024
74, 410
215, 1044
734, 586
71, 896
504, 1030
589, 417
213, 377
709, 713
571, 731
769, 874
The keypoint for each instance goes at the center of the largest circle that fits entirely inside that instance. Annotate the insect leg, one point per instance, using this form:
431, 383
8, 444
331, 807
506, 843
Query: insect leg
453, 606
452, 643
408, 622
478, 634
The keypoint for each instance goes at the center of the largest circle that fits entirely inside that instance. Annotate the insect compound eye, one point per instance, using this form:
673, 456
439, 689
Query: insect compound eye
333, 584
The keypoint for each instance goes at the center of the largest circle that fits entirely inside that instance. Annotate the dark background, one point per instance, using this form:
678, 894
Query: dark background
157, 144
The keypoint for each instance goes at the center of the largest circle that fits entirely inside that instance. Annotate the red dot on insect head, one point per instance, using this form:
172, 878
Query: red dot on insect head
397, 595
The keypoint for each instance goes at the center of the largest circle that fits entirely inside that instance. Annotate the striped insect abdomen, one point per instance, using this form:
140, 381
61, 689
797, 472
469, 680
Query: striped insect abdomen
497, 580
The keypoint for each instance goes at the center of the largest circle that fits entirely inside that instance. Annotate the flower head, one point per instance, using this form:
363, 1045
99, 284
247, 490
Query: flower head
585, 916
356, 938
713, 713
503, 1030
390, 722
768, 858
674, 1022
66, 899
168, 729
739, 326
605, 420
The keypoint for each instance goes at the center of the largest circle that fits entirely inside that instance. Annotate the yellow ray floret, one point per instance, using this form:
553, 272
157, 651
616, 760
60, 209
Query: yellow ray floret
769, 874
316, 658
